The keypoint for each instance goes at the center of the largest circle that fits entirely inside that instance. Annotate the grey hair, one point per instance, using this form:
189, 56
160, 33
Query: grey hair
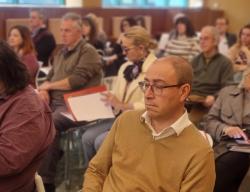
39, 11
245, 74
214, 32
73, 17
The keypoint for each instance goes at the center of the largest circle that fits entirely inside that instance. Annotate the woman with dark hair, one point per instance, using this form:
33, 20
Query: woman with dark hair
89, 32
126, 23
117, 58
183, 42
19, 38
13, 74
239, 53
26, 127
140, 21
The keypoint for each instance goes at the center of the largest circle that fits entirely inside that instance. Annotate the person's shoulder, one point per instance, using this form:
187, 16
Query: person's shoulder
231, 35
27, 100
196, 58
222, 59
231, 89
194, 139
84, 46
44, 33
132, 115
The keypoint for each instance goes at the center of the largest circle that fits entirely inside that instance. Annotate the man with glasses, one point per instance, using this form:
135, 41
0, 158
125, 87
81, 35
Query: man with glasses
157, 149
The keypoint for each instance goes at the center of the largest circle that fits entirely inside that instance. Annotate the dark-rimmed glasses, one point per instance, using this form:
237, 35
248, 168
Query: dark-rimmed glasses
156, 88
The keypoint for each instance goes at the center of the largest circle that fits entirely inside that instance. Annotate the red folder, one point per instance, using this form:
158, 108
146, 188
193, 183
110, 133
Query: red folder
82, 92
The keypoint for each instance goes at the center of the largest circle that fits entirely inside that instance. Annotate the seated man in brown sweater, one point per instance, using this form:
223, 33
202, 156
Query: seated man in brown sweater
77, 65
158, 149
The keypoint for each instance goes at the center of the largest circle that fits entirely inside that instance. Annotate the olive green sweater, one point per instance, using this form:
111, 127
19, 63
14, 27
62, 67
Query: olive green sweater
130, 160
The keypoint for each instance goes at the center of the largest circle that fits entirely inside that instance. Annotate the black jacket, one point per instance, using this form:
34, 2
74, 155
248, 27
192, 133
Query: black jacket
44, 43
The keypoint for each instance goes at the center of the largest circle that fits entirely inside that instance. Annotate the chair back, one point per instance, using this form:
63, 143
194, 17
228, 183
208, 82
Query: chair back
39, 183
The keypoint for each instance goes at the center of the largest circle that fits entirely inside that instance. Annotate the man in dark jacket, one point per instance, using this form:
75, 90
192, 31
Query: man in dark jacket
43, 40
226, 39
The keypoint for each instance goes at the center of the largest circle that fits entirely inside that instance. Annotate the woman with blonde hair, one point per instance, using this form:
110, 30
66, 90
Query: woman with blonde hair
19, 38
239, 53
136, 45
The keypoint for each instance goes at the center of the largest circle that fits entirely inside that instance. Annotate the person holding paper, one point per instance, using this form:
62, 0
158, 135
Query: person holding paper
136, 44
228, 118
76, 66
157, 149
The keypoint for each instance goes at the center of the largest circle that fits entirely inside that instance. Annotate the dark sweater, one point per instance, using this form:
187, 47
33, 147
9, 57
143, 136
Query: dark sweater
45, 44
210, 77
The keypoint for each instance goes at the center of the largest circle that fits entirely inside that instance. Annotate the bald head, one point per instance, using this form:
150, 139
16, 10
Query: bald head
182, 69
213, 32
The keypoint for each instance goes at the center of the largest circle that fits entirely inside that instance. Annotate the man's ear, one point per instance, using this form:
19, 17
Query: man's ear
184, 91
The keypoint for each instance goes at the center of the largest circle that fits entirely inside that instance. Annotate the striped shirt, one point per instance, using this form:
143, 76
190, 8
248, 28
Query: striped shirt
187, 48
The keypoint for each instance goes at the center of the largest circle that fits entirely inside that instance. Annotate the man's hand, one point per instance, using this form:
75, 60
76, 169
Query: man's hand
44, 95
235, 132
209, 101
45, 86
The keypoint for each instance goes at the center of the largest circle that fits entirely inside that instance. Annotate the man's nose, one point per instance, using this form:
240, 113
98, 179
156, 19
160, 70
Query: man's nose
149, 92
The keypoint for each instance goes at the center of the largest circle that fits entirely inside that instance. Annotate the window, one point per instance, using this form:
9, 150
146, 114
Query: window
152, 3
42, 2
33, 2
6, 1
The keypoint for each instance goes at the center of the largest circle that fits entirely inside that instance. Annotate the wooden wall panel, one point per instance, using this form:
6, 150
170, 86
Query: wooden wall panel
54, 27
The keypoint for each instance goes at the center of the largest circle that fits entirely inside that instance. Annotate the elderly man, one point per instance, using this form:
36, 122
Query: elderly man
43, 40
76, 66
226, 39
212, 71
158, 149
228, 120
26, 128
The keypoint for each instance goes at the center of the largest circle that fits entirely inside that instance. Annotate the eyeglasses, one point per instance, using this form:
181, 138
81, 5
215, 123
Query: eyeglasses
155, 88
126, 49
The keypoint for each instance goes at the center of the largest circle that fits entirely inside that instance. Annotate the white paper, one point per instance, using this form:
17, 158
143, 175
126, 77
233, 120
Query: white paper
90, 107
163, 41
45, 70
243, 149
68, 115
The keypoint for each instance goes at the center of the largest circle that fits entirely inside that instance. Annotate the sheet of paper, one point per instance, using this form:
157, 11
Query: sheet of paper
68, 115
163, 41
89, 107
243, 149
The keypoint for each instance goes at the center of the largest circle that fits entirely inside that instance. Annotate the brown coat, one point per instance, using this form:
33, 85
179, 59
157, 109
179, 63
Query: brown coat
227, 111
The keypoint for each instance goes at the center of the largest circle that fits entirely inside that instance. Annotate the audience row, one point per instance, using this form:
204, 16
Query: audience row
159, 105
